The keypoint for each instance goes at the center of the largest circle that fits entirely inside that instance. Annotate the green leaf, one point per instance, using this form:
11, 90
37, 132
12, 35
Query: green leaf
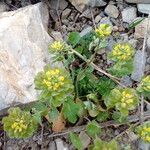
105, 85
70, 110
121, 69
102, 116
93, 129
74, 38
135, 23
76, 141
53, 114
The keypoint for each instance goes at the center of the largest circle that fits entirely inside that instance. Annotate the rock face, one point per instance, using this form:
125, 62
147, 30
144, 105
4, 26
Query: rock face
138, 1
80, 5
139, 66
23, 49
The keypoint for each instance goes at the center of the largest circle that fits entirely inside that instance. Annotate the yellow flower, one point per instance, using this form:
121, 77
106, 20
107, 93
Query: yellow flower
122, 51
145, 84
19, 126
53, 80
57, 46
103, 31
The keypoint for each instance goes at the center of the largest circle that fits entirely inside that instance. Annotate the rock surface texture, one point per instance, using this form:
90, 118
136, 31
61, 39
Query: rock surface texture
23, 49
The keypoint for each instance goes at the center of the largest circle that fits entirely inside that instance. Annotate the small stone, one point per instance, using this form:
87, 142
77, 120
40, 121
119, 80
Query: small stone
60, 145
62, 4
141, 28
139, 65
132, 136
148, 60
138, 1
97, 19
115, 28
56, 35
65, 13
129, 14
106, 20
126, 81
85, 139
148, 42
80, 5
144, 8
86, 14
86, 30
112, 11
52, 146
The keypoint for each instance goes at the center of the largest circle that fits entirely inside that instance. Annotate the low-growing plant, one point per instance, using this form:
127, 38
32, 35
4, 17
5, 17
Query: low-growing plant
81, 89
19, 124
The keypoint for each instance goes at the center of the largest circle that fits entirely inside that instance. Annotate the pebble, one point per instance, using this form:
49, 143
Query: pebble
60, 144
126, 81
56, 35
133, 42
148, 43
98, 18
144, 8
65, 13
112, 11
143, 145
129, 14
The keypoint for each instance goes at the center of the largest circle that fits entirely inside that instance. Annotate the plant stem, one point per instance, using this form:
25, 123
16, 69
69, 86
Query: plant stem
115, 79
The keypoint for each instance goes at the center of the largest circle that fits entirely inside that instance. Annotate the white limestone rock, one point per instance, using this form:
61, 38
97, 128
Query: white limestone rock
23, 50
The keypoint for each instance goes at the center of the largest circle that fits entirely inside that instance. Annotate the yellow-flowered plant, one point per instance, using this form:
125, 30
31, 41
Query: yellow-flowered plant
124, 99
55, 84
122, 52
57, 46
103, 31
144, 131
144, 86
19, 124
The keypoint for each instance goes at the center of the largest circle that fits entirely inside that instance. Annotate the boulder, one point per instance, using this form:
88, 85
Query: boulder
23, 50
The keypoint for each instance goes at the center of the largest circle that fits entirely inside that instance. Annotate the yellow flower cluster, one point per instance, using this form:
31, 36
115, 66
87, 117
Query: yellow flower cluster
145, 84
103, 31
54, 80
19, 125
127, 99
123, 52
145, 134
57, 46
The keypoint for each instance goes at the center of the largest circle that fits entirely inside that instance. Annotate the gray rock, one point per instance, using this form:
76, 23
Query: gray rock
86, 30
138, 1
60, 145
81, 5
141, 28
106, 20
143, 145
148, 43
65, 13
112, 11
139, 66
56, 36
3, 7
126, 81
62, 4
23, 50
98, 18
52, 146
133, 42
129, 14
144, 8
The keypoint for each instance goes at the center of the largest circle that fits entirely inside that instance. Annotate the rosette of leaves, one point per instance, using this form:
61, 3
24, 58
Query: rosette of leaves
122, 54
123, 99
144, 86
144, 131
19, 124
55, 85
102, 145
